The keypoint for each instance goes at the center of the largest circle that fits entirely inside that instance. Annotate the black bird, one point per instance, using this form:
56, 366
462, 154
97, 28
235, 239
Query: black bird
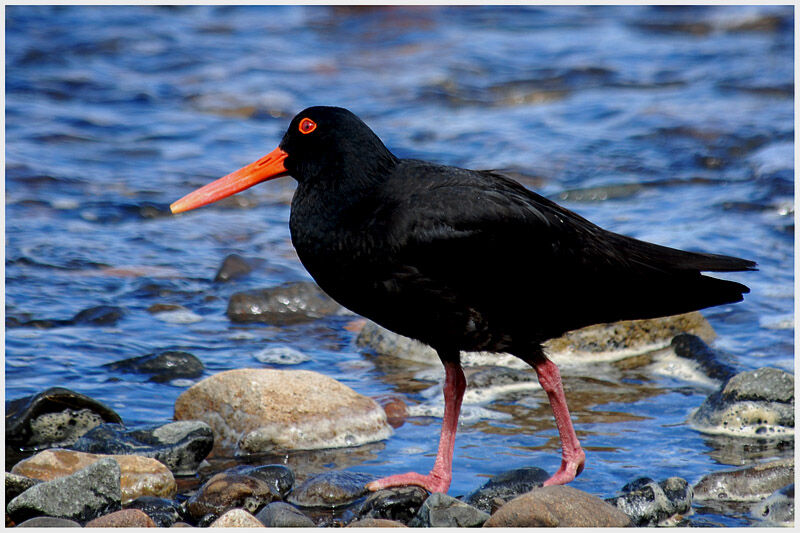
464, 260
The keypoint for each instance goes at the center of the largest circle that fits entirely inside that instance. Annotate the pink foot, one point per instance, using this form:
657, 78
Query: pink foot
431, 482
570, 468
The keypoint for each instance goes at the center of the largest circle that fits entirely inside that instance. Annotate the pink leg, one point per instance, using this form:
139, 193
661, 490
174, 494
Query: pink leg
438, 480
572, 456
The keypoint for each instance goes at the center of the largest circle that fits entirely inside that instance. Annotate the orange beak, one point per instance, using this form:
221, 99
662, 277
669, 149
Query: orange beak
268, 167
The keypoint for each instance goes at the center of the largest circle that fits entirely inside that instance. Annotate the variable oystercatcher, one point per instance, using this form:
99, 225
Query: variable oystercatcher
464, 260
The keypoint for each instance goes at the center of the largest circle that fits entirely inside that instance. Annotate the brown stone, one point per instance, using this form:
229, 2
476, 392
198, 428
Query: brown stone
227, 490
123, 518
237, 518
558, 506
141, 476
264, 409
376, 522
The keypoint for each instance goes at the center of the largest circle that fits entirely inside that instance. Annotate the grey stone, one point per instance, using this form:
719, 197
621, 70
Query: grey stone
281, 514
163, 366
330, 489
181, 446
693, 347
16, 485
506, 486
441, 510
88, 493
399, 503
746, 484
778, 508
290, 303
48, 521
235, 266
648, 503
758, 403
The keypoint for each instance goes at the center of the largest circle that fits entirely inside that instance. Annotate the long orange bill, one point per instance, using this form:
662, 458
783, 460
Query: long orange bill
268, 167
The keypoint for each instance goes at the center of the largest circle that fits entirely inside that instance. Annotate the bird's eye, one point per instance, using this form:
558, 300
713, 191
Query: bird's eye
307, 126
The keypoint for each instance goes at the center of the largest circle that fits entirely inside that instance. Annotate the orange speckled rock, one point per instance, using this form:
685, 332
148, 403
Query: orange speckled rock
141, 476
123, 518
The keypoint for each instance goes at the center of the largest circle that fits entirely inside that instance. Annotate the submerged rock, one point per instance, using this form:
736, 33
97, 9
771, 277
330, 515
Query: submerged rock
140, 476
54, 417
398, 503
290, 303
692, 347
88, 493
648, 503
757, 403
601, 342
558, 506
505, 487
181, 446
228, 490
163, 366
746, 484
258, 410
441, 510
330, 489
280, 514
235, 266
778, 508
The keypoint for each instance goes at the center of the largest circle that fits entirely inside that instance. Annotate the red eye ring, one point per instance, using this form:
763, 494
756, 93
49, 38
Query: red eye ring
306, 126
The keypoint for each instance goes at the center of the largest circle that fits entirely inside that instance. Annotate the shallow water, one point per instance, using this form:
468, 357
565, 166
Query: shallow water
679, 121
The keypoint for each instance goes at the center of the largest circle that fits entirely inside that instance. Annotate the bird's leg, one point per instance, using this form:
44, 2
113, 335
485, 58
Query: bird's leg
438, 480
572, 456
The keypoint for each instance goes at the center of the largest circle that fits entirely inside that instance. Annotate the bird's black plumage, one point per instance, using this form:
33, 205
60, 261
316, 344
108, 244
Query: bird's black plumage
472, 260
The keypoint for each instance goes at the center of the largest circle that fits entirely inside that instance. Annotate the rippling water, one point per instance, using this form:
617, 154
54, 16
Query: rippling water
673, 125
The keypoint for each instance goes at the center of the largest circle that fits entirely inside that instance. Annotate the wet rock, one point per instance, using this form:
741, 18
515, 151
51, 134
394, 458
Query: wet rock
757, 403
330, 489
236, 518
281, 355
54, 417
102, 315
648, 503
235, 266
259, 410
441, 510
48, 521
181, 315
778, 508
162, 511
601, 342
16, 485
279, 477
180, 446
395, 409
746, 484
505, 487
280, 514
398, 503
558, 506
375, 522
290, 303
226, 491
88, 493
163, 367
140, 476
123, 518
692, 347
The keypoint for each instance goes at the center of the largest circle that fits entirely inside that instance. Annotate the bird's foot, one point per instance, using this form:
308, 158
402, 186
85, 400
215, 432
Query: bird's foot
432, 482
570, 468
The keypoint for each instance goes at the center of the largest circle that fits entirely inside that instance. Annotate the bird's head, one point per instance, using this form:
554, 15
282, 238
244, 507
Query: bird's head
322, 144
